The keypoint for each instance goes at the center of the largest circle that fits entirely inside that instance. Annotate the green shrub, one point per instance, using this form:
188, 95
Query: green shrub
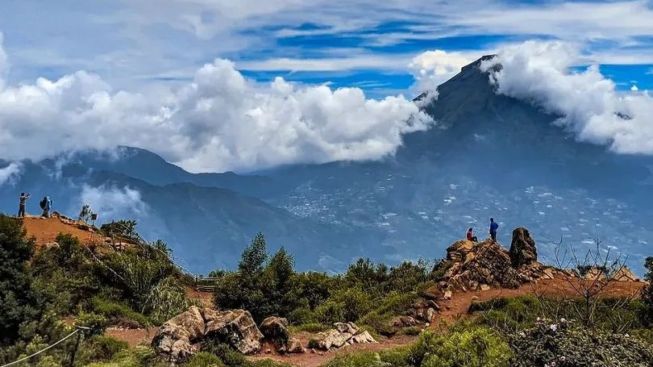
310, 327
302, 315
379, 323
565, 345
133, 357
97, 323
115, 311
166, 299
204, 359
227, 354
367, 359
473, 347
101, 348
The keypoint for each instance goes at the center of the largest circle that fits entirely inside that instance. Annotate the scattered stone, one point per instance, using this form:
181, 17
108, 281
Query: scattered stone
295, 346
485, 287
432, 293
343, 334
448, 295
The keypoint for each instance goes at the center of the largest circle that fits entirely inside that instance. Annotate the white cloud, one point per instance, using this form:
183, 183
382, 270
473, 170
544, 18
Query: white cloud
4, 63
114, 202
218, 121
432, 68
589, 103
10, 172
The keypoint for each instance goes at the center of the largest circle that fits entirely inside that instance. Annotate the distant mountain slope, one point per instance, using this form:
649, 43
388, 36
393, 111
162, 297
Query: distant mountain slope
207, 227
488, 156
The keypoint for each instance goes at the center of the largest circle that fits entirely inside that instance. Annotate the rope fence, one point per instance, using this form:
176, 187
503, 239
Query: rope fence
77, 330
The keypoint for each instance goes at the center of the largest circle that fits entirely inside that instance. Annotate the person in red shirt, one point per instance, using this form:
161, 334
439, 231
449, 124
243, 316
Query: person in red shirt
470, 235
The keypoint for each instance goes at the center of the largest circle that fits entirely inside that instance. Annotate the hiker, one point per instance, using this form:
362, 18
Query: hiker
22, 200
46, 205
85, 214
493, 229
470, 235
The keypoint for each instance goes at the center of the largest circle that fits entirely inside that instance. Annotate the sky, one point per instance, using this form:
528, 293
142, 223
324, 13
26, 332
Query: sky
216, 85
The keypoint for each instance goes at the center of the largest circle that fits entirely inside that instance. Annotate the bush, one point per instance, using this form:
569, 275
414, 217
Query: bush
19, 302
166, 300
204, 359
227, 355
118, 312
97, 323
565, 345
101, 348
472, 347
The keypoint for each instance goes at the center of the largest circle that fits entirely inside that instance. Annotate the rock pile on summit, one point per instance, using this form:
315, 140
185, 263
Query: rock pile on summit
473, 266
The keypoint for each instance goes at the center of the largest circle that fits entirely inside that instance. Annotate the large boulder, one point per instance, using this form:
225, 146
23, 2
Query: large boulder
522, 248
178, 337
275, 329
235, 327
183, 335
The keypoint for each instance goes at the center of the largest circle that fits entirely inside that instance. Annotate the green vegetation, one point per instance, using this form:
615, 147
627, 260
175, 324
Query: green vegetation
473, 347
366, 293
94, 288
139, 286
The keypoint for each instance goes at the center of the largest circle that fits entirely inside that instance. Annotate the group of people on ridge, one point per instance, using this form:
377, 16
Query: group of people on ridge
45, 204
494, 226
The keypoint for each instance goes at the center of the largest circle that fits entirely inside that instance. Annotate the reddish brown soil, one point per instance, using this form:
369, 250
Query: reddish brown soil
46, 230
204, 298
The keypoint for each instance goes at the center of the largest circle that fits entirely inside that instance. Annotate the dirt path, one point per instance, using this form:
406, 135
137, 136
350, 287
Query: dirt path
452, 310
320, 358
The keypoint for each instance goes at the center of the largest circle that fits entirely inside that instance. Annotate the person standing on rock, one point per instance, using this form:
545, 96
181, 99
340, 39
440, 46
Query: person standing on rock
470, 235
22, 200
493, 229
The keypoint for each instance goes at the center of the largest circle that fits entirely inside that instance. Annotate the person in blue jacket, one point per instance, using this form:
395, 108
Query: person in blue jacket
493, 229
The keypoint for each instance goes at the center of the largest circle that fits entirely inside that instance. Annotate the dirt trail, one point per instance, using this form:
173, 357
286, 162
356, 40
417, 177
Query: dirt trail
453, 310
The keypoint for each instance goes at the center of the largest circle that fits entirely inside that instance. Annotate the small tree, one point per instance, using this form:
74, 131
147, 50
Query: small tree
18, 302
593, 272
254, 256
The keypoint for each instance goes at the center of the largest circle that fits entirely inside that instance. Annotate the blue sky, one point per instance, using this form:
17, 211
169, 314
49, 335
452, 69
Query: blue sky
359, 43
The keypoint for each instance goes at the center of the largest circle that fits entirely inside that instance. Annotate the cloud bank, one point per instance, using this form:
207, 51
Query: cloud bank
588, 103
10, 172
114, 202
219, 121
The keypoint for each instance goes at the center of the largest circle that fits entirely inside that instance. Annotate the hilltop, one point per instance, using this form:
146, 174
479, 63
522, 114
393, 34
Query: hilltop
268, 311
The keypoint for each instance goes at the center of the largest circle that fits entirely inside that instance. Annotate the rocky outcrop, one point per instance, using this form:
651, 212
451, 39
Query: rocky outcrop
343, 334
484, 263
522, 249
183, 335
